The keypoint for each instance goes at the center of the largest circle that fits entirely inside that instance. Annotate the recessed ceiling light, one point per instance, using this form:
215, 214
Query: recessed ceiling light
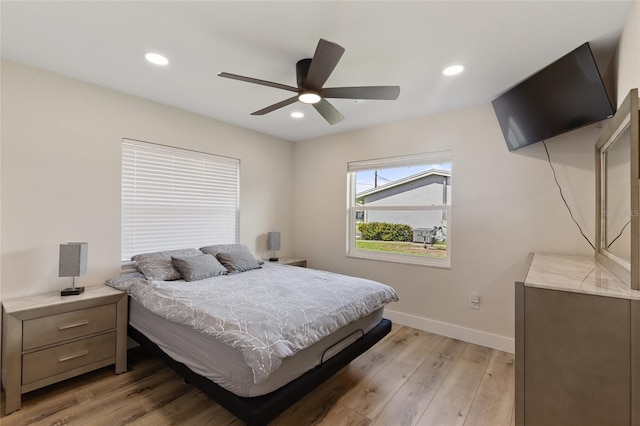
309, 97
156, 58
297, 114
453, 70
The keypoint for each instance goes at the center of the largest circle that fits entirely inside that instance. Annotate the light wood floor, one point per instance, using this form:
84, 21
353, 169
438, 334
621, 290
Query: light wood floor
411, 377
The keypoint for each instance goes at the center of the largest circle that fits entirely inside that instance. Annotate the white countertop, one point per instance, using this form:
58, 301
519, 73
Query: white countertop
578, 274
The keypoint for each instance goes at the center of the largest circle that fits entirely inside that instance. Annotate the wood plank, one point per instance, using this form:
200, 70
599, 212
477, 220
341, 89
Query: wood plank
342, 416
175, 411
103, 404
124, 415
369, 396
381, 353
140, 376
407, 405
451, 404
315, 407
493, 404
434, 370
392, 344
212, 414
163, 394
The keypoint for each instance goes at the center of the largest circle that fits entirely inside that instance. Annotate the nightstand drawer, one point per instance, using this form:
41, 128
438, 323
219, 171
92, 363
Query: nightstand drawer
58, 328
49, 362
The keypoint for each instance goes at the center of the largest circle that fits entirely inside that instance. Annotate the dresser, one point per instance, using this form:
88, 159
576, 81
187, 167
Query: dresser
47, 338
577, 344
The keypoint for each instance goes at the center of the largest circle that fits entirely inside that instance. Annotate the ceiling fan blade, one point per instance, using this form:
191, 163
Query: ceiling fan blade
257, 81
274, 107
365, 92
328, 111
323, 63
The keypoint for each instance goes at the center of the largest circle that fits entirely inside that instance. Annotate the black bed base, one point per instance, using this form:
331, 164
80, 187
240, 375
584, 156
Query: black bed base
259, 410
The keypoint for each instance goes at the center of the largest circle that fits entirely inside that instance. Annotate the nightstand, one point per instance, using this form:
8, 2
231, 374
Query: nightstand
292, 262
47, 338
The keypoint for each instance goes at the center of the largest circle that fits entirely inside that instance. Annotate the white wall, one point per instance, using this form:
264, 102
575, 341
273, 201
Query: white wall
61, 147
629, 54
504, 206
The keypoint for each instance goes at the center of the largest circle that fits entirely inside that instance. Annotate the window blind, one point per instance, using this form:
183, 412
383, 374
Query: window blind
174, 198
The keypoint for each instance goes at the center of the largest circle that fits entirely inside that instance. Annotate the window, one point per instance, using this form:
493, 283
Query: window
399, 209
175, 198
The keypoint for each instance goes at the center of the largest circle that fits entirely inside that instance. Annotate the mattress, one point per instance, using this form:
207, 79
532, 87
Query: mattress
224, 365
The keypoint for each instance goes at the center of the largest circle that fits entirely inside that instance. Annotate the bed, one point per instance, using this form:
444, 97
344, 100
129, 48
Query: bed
255, 337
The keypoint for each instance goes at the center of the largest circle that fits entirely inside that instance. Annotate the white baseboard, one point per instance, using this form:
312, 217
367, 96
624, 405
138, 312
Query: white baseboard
470, 335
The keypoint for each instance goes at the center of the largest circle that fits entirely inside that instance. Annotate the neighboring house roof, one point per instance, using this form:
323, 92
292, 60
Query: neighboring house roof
402, 181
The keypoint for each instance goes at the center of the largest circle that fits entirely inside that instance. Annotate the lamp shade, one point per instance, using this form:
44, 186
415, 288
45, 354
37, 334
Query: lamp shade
73, 259
273, 241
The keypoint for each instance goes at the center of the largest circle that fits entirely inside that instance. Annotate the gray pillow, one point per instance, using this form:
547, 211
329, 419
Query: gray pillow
194, 268
223, 248
124, 281
217, 248
157, 265
238, 260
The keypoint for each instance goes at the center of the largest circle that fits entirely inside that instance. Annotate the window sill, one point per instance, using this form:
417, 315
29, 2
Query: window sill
401, 259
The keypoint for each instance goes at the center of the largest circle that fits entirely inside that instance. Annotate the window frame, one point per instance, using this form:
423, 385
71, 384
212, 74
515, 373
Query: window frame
391, 162
182, 160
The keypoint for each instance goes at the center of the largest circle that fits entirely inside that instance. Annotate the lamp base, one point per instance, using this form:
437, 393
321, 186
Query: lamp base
72, 291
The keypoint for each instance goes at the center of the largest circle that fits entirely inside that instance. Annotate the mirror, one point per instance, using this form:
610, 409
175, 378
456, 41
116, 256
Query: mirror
616, 230
617, 185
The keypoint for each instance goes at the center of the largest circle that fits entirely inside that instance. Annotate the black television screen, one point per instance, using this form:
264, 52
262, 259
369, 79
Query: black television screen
565, 95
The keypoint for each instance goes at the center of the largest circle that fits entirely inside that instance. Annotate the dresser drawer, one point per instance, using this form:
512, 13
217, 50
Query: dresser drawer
58, 328
49, 362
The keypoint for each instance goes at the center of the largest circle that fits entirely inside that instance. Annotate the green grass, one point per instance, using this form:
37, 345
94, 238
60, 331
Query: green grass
412, 249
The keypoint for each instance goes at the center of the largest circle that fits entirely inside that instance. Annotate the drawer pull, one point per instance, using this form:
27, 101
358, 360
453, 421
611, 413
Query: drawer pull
74, 356
78, 324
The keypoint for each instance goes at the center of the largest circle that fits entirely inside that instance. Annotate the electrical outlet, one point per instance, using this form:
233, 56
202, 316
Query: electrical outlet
474, 301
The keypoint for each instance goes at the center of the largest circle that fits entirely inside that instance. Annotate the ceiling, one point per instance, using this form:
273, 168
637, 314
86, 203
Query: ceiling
387, 43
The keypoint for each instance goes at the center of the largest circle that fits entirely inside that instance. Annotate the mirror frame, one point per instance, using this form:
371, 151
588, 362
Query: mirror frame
626, 116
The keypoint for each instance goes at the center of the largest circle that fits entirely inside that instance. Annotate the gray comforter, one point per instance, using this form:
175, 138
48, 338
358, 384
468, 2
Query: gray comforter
267, 314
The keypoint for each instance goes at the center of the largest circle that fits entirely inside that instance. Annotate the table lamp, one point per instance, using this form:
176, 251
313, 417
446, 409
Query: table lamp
273, 244
73, 263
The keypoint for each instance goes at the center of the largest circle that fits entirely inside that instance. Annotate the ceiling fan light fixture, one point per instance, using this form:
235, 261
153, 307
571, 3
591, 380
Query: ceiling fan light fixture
309, 97
156, 58
297, 114
311, 75
453, 70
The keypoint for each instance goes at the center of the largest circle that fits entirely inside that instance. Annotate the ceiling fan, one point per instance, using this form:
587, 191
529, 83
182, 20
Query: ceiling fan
311, 75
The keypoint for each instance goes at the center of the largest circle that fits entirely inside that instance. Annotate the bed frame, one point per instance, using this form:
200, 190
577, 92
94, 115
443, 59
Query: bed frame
258, 411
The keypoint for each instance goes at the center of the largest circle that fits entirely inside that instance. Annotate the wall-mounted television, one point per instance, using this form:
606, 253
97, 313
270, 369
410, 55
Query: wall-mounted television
565, 95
